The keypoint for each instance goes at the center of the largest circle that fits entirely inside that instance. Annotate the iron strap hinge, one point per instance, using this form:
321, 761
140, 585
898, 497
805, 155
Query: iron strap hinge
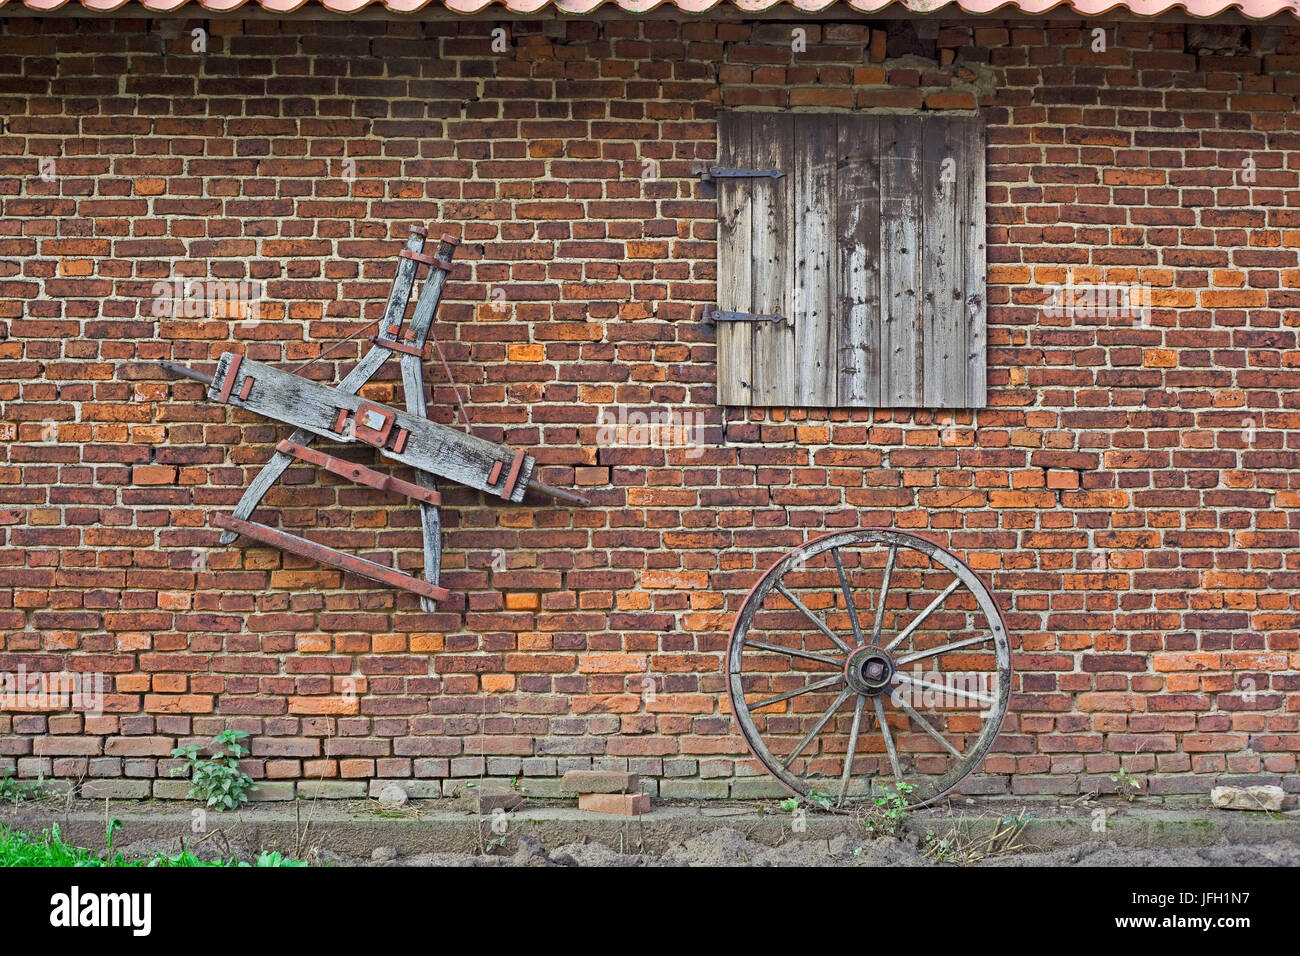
728, 172
723, 315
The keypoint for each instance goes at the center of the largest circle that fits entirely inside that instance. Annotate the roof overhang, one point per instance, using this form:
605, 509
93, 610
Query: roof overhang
1227, 11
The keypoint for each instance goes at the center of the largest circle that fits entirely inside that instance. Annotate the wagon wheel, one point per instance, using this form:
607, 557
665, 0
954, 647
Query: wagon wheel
867, 659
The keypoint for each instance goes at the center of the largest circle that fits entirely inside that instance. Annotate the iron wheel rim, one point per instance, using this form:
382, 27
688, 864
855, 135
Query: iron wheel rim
973, 755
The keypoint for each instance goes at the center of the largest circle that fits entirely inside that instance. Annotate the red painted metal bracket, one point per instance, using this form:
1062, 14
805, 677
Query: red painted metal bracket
395, 346
436, 262
373, 423
513, 476
228, 383
326, 555
359, 473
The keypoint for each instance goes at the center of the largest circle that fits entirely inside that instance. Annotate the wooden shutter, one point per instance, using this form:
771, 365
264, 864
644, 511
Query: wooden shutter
871, 244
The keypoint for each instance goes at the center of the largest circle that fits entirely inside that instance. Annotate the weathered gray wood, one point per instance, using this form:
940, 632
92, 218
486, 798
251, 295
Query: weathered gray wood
306, 405
882, 268
398, 297
901, 361
974, 261
773, 343
858, 247
735, 260
815, 332
426, 308
943, 326
430, 520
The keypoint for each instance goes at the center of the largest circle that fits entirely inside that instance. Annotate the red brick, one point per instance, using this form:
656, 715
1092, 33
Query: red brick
599, 781
620, 804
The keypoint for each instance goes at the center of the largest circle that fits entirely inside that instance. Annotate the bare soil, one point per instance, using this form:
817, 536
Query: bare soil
729, 847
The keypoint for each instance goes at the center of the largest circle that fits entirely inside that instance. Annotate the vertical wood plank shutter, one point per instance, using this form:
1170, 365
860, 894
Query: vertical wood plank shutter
872, 245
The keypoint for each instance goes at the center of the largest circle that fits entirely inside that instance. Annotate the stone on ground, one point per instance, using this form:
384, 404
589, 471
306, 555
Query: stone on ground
1248, 798
484, 800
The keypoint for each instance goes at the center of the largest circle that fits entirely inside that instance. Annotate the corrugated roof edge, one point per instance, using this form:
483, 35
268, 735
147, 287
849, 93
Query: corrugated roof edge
1202, 9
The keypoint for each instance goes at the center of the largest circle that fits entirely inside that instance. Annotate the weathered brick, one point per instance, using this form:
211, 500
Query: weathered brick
599, 781
621, 804
482, 800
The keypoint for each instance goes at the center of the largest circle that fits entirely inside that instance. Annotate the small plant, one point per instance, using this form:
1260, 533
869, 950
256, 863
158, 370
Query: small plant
958, 847
1126, 786
940, 849
218, 780
823, 800
889, 814
14, 791
111, 858
815, 798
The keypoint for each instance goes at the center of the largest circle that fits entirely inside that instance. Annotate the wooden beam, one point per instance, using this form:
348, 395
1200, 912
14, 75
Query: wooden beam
398, 297
313, 408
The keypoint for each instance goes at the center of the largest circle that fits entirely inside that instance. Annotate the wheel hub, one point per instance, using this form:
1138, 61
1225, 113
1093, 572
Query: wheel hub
869, 670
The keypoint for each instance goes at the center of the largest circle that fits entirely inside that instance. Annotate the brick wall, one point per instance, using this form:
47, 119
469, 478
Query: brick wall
1130, 493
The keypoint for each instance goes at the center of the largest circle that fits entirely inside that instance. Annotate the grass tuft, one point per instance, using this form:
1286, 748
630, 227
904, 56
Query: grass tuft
50, 850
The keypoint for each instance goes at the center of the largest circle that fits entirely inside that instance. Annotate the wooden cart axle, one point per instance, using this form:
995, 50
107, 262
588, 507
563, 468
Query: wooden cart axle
406, 436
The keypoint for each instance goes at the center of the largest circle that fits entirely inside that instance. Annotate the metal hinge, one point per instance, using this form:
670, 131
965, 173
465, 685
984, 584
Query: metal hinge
722, 315
708, 173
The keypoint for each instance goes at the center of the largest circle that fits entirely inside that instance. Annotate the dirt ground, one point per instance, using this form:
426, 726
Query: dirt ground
729, 847
958, 832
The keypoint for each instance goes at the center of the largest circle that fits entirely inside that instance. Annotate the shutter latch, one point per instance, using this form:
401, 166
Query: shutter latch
722, 315
708, 173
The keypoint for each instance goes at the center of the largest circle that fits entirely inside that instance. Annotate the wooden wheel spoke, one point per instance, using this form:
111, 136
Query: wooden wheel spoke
940, 688
792, 652
817, 727
847, 775
889, 738
920, 618
944, 649
884, 594
848, 598
925, 725
808, 613
758, 664
805, 689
